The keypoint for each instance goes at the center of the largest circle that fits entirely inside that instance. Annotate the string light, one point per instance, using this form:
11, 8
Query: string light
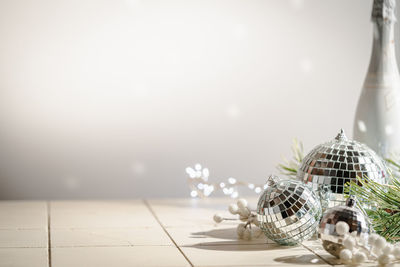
232, 180
200, 187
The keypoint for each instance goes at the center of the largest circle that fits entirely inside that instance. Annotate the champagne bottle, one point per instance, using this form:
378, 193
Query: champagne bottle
377, 121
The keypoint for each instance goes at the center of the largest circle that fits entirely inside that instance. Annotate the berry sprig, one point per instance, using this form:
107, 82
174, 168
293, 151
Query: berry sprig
357, 251
244, 230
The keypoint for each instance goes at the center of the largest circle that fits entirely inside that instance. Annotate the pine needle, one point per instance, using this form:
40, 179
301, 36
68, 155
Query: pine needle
381, 203
289, 167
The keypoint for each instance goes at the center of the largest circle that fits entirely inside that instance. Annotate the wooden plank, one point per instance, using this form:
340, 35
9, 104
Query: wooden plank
104, 223
100, 214
94, 237
188, 212
145, 256
105, 233
23, 257
23, 238
23, 234
23, 215
251, 255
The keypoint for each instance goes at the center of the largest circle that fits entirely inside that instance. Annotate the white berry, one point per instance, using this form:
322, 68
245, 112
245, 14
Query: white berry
247, 235
240, 230
380, 242
257, 232
372, 238
377, 251
242, 203
233, 208
396, 252
387, 249
385, 259
345, 255
342, 228
245, 212
359, 257
349, 242
354, 234
218, 218
362, 241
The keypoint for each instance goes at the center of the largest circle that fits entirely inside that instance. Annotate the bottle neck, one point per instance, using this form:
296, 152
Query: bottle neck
383, 58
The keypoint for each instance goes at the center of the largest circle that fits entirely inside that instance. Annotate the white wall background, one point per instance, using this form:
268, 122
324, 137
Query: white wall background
114, 99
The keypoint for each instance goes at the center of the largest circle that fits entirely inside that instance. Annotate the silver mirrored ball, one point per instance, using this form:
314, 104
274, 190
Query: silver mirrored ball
331, 240
340, 161
288, 211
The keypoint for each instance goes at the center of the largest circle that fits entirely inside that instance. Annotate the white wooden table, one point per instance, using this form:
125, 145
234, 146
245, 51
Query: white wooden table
170, 232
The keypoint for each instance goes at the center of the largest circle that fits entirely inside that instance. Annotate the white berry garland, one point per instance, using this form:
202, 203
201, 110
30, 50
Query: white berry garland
357, 251
249, 226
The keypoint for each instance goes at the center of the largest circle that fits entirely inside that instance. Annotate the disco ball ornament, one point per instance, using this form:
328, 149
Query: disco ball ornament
288, 211
338, 162
331, 240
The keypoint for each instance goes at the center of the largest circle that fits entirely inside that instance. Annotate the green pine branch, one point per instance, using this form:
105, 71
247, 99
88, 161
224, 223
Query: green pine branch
289, 167
380, 202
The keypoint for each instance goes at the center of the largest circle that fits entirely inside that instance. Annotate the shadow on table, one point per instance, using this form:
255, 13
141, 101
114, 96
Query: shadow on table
225, 233
231, 235
230, 242
308, 259
305, 259
235, 246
